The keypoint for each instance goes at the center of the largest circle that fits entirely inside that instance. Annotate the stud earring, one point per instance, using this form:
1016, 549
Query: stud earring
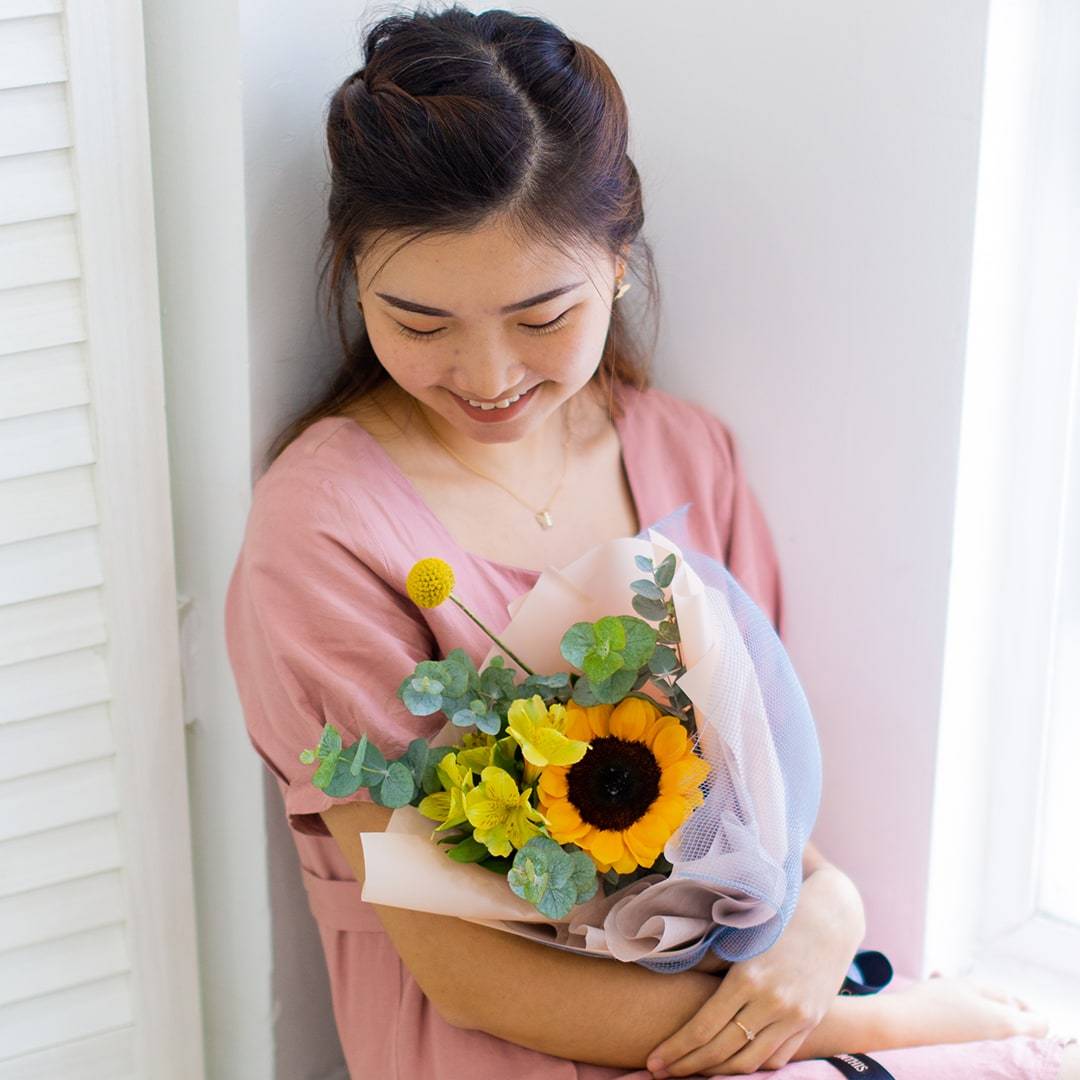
621, 291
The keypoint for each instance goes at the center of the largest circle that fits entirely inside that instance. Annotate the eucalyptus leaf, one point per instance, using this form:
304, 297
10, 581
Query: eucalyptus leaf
497, 683
610, 631
665, 571
647, 588
644, 563
359, 753
680, 699
663, 660
329, 742
535, 683
640, 641
668, 632
583, 875
612, 691
374, 759
653, 610
583, 693
325, 772
421, 703
415, 759
457, 667
344, 782
601, 667
464, 718
397, 786
431, 782
576, 642
548, 877
489, 723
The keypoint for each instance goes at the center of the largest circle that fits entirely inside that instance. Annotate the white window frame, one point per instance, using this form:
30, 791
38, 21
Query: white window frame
983, 912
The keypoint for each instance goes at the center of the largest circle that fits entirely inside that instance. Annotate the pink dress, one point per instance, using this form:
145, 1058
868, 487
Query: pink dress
319, 629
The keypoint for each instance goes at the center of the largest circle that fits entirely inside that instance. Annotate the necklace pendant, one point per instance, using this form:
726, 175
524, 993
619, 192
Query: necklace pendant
544, 518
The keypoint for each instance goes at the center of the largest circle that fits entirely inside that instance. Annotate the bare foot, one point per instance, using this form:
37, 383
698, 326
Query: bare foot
995, 994
954, 1010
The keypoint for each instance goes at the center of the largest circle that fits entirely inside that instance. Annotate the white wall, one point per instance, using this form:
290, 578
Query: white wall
810, 175
197, 144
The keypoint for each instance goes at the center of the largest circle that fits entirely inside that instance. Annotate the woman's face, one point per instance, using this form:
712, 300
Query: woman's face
473, 348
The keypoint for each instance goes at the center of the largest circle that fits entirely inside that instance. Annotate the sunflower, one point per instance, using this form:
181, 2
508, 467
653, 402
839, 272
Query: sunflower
638, 782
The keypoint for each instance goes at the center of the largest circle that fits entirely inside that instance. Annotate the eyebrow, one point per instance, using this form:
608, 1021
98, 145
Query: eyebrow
521, 305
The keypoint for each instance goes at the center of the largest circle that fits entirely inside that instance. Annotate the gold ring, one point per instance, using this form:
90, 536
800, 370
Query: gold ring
750, 1035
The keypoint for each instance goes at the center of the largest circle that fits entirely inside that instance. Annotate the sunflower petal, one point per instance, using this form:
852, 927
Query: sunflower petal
653, 830
669, 744
553, 782
629, 718
607, 845
656, 726
598, 719
643, 852
577, 724
683, 776
672, 810
563, 816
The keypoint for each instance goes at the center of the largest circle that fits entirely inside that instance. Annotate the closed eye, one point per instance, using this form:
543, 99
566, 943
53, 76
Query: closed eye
543, 328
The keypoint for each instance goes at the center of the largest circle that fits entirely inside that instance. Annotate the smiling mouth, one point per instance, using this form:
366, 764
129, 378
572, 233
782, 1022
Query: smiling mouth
505, 403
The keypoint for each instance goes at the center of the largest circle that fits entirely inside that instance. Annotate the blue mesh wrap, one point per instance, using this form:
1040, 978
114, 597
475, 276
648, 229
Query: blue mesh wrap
762, 797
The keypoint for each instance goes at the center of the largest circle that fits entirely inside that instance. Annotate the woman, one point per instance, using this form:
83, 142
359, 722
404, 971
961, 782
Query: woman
495, 411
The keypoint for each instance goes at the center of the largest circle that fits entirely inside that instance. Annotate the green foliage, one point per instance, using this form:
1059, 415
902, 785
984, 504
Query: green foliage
616, 655
551, 878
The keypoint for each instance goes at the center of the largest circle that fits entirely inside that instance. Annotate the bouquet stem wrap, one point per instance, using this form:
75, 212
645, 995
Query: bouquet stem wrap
737, 860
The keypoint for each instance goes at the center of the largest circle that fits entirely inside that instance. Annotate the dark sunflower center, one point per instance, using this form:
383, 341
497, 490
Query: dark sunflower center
614, 783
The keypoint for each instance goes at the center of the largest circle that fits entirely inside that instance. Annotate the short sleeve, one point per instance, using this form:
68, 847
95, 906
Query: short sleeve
316, 634
750, 553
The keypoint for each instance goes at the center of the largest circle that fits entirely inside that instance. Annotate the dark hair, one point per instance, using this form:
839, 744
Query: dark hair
459, 120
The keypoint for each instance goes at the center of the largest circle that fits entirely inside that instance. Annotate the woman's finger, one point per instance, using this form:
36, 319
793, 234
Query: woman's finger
753, 1056
786, 1051
709, 1021
725, 1046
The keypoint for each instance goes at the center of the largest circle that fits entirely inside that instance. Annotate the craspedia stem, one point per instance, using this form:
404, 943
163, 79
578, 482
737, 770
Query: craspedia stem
517, 660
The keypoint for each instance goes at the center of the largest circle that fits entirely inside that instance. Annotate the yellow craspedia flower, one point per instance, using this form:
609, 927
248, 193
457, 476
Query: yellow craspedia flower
430, 582
639, 781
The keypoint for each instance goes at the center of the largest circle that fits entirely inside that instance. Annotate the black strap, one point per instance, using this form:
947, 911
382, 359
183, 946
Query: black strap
859, 1066
870, 972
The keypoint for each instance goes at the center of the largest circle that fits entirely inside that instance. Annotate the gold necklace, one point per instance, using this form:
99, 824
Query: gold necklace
542, 515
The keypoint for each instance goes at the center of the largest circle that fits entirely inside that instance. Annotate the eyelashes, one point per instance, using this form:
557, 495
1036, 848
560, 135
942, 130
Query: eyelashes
544, 328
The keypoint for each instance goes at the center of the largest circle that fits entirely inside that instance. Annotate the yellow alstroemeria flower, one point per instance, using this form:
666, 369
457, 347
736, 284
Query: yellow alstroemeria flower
448, 806
478, 751
539, 731
502, 817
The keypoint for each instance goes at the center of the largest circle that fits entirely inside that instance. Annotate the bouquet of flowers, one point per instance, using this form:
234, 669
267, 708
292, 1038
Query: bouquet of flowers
643, 793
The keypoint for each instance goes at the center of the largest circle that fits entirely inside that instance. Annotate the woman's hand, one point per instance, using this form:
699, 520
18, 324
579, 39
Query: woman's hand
780, 995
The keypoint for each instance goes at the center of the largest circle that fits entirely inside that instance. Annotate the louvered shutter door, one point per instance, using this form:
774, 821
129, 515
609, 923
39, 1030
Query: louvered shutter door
96, 920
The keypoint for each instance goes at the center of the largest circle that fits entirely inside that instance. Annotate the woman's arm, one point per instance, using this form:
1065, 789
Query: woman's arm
812, 859
792, 985
590, 1009
839, 903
